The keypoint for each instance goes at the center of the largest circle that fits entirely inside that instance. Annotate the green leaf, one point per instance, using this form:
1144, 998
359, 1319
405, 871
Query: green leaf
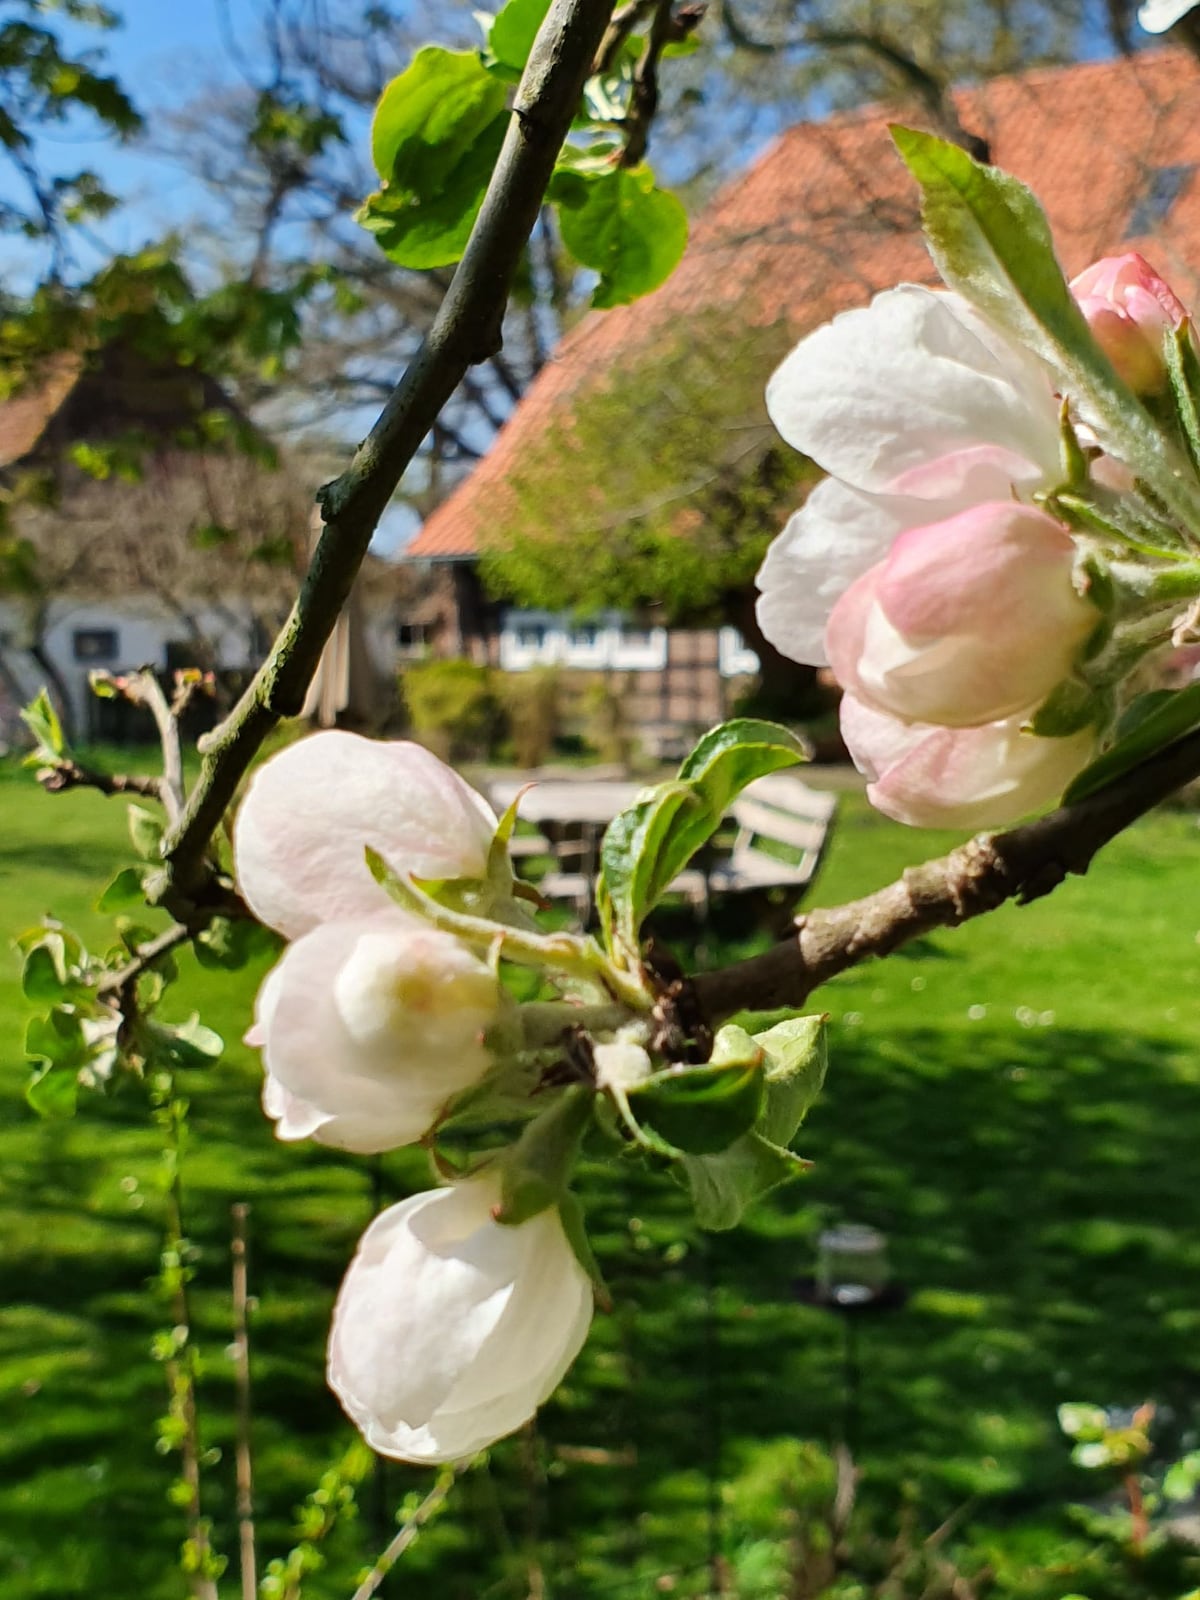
190, 1045
43, 976
1071, 706
537, 1169
992, 243
53, 1092
56, 1039
124, 890
40, 717
724, 1186
646, 846
797, 1059
1166, 718
511, 35
1079, 1420
623, 227
1183, 370
435, 137
230, 943
700, 1110
146, 832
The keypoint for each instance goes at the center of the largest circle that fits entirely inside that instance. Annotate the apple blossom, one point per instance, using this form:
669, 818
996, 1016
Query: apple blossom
310, 812
964, 621
938, 777
944, 601
367, 1027
450, 1328
1156, 16
1130, 310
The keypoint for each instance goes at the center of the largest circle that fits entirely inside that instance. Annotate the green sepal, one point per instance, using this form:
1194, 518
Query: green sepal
1071, 706
1183, 373
570, 1209
536, 1171
1074, 457
1149, 724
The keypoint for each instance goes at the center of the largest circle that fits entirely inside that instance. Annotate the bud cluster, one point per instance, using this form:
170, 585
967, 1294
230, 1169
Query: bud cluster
968, 570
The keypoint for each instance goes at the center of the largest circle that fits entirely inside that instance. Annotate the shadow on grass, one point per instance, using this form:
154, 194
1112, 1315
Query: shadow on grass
1038, 1189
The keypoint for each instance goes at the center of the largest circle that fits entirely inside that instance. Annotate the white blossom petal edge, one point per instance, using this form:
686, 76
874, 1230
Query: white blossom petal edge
451, 1329
300, 836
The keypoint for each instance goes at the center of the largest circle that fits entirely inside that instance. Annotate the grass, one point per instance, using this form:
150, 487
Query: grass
1013, 1103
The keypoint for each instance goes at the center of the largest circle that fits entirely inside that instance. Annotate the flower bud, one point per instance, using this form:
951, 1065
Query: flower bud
1130, 311
936, 777
310, 812
964, 621
367, 1029
450, 1328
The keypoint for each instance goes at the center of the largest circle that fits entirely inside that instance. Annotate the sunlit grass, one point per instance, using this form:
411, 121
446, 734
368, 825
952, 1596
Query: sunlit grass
1015, 1103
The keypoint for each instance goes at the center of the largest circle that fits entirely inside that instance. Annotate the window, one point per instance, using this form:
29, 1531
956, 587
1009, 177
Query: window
1162, 188
531, 635
412, 639
585, 637
94, 644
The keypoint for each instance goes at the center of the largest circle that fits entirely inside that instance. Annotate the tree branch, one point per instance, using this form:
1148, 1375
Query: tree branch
466, 330
67, 773
1022, 864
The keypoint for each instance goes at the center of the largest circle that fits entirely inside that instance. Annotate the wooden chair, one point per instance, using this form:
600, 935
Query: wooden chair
783, 830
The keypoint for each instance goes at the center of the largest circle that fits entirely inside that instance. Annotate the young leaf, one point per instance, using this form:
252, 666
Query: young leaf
146, 832
53, 1092
189, 1045
231, 942
723, 1186
797, 1058
646, 846
435, 137
1166, 719
991, 242
43, 977
623, 227
40, 717
124, 890
700, 1110
511, 35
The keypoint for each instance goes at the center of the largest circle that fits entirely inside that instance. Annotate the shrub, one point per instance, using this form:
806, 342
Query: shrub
452, 707
533, 704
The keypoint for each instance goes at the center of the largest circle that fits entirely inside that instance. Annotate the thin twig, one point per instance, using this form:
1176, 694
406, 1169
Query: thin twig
409, 1531
466, 330
244, 1458
1022, 864
67, 773
147, 956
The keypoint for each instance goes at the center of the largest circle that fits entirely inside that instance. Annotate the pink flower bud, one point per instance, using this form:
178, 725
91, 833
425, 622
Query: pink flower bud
984, 777
964, 621
1130, 310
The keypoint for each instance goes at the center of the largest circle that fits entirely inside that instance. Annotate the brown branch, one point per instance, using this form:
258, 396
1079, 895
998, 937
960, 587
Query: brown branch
67, 773
121, 982
466, 331
1022, 864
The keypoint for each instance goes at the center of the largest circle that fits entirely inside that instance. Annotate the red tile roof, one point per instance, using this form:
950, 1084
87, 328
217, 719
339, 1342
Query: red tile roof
25, 417
827, 217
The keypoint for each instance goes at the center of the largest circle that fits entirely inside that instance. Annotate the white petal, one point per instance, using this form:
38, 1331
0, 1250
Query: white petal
1156, 16
911, 377
374, 1088
310, 812
450, 1329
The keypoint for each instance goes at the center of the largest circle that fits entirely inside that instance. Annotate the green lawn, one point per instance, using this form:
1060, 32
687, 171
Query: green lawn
1014, 1103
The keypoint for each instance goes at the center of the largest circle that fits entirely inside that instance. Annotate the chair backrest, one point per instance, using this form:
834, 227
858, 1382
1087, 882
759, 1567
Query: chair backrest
778, 810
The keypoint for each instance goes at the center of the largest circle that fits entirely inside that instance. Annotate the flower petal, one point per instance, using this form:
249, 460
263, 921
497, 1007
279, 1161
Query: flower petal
311, 811
914, 376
